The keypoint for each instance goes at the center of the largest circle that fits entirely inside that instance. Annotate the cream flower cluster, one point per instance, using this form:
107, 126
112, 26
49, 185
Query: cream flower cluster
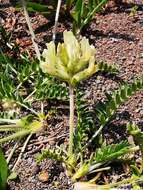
71, 61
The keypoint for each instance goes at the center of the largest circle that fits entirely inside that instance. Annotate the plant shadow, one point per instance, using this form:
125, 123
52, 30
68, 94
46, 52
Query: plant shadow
121, 7
116, 130
96, 34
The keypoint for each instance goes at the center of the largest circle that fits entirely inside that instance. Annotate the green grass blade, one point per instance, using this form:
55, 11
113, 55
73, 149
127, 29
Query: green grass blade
3, 171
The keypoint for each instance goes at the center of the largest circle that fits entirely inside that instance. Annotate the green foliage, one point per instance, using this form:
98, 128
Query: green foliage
105, 111
13, 75
17, 135
39, 7
85, 123
48, 88
20, 69
11, 114
22, 127
81, 160
84, 11
110, 152
103, 156
3, 171
137, 134
134, 10
36, 7
9, 94
85, 127
55, 154
21, 82
69, 4
105, 67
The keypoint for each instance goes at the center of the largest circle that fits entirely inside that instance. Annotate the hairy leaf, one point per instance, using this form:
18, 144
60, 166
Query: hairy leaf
55, 154
105, 111
50, 89
85, 122
84, 11
137, 134
111, 152
104, 155
105, 67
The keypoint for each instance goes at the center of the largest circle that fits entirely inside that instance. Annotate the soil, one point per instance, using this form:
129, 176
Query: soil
118, 38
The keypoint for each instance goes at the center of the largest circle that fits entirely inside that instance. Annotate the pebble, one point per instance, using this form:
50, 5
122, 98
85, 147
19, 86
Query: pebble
141, 112
35, 169
43, 176
40, 138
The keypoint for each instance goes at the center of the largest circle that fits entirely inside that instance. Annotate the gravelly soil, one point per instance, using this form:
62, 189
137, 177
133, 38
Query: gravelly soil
118, 38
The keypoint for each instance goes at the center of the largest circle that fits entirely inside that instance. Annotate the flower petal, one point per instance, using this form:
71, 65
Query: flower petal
61, 70
73, 49
62, 53
92, 68
48, 65
48, 68
50, 53
87, 50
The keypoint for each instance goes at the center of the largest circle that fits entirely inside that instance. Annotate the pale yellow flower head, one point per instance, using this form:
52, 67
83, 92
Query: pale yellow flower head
71, 61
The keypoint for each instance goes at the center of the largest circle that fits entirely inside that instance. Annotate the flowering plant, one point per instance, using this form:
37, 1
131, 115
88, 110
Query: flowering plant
72, 62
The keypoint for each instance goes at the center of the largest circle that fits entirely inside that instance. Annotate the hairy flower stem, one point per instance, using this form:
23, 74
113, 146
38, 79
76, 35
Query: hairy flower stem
71, 120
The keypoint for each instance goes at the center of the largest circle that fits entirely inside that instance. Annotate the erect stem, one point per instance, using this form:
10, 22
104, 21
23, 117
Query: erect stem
12, 152
56, 19
30, 29
22, 151
71, 120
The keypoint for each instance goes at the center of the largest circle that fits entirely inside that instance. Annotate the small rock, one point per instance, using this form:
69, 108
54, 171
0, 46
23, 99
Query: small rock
137, 110
51, 142
98, 81
43, 176
141, 112
35, 170
40, 138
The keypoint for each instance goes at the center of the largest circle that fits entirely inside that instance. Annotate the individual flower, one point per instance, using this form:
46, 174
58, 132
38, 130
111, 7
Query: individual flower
71, 61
